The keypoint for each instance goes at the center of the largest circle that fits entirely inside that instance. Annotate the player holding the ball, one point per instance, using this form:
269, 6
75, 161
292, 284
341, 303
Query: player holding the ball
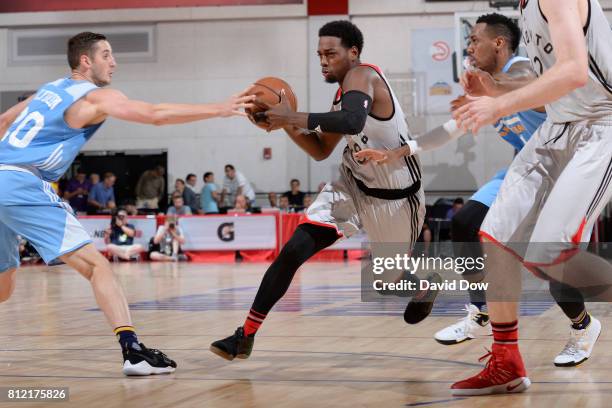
387, 201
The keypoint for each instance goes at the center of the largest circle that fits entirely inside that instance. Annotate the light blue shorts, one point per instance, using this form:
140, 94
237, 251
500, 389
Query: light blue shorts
30, 208
487, 193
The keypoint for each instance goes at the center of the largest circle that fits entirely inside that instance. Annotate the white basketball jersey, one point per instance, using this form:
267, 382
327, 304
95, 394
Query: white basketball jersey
385, 134
592, 101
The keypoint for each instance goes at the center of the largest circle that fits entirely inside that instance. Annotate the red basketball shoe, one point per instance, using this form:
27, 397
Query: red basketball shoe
503, 374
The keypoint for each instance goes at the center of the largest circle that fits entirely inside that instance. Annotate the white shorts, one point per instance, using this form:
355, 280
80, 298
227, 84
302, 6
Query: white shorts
343, 206
553, 193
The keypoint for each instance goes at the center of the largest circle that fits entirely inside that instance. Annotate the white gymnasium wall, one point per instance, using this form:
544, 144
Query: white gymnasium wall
205, 54
198, 62
206, 62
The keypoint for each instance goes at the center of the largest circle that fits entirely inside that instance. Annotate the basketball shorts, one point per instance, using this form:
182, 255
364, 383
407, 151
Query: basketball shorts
30, 208
554, 190
343, 206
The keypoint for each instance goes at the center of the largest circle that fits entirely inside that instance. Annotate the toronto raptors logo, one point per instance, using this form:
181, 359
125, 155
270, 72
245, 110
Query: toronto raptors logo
440, 51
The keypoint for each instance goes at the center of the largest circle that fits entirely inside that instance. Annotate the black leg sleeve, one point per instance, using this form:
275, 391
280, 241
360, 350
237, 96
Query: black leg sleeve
569, 299
465, 226
306, 241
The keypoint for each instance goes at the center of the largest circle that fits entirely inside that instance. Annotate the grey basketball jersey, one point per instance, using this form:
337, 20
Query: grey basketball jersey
594, 100
385, 134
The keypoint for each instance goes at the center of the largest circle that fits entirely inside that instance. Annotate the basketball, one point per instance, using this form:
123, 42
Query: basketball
268, 90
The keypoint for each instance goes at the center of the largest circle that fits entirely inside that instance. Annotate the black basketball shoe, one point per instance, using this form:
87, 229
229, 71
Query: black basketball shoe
139, 360
420, 305
236, 345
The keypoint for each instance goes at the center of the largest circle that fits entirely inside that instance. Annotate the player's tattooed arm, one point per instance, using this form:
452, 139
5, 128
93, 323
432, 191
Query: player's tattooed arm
110, 102
8, 117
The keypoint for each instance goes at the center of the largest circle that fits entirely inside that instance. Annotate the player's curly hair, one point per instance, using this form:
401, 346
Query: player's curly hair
503, 26
348, 33
82, 43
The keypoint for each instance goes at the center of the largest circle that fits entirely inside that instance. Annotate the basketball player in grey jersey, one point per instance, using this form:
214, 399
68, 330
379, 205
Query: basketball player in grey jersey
387, 201
557, 185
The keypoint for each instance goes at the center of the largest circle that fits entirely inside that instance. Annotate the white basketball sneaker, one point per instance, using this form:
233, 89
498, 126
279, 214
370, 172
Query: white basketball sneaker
580, 345
473, 325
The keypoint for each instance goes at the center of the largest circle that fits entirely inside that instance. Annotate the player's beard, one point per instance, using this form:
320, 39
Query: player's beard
331, 79
98, 80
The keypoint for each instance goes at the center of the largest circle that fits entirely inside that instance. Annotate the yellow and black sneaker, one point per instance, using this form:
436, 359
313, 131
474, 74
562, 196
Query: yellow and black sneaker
139, 360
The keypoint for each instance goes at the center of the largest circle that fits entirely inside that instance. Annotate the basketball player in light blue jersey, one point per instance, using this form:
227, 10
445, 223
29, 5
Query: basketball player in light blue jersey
41, 137
494, 40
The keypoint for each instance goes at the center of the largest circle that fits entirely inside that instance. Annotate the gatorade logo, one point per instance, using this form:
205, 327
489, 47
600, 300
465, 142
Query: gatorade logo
225, 232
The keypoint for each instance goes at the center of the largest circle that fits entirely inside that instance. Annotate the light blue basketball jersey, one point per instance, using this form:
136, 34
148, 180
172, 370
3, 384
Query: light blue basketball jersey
40, 139
517, 128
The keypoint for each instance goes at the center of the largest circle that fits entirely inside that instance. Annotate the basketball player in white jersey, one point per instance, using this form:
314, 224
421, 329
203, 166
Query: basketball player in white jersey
386, 201
42, 136
557, 185
494, 40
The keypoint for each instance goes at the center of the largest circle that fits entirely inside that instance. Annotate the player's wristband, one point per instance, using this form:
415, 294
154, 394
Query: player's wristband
452, 129
414, 147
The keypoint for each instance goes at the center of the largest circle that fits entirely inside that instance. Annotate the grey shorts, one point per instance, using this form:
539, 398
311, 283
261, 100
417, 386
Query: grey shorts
553, 192
343, 206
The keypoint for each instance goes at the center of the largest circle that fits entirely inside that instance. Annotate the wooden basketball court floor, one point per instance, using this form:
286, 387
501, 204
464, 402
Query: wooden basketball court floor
320, 347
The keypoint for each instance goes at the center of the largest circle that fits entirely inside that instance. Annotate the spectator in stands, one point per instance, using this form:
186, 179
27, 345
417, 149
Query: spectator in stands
178, 205
307, 201
130, 207
150, 188
191, 181
119, 237
189, 197
241, 204
236, 184
209, 196
283, 204
457, 204
27, 253
295, 196
61, 185
272, 199
94, 178
77, 192
102, 196
166, 244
